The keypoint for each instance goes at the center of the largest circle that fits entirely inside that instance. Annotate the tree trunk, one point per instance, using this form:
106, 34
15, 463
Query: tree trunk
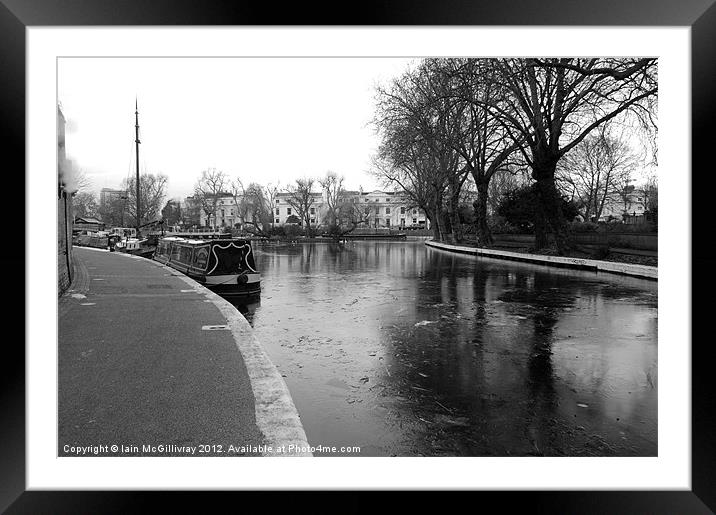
434, 226
549, 206
484, 235
440, 222
454, 219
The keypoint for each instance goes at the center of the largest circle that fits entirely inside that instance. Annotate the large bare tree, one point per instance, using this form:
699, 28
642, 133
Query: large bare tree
553, 104
333, 191
478, 136
152, 190
253, 206
84, 203
300, 197
596, 170
417, 154
210, 186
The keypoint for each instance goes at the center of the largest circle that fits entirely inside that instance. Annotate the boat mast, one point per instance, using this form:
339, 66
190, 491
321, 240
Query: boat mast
136, 141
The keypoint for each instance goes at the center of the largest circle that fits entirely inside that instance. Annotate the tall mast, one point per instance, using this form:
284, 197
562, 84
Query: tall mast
136, 141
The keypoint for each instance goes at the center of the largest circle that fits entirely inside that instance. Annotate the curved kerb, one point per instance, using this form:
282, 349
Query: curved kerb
643, 271
276, 415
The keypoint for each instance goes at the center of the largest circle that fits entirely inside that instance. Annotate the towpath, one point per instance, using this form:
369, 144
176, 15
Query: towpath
154, 363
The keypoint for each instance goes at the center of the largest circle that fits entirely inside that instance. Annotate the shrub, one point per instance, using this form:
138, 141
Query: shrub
499, 225
520, 207
601, 252
582, 227
292, 231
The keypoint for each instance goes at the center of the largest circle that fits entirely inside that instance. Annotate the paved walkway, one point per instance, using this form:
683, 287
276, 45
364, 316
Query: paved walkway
148, 357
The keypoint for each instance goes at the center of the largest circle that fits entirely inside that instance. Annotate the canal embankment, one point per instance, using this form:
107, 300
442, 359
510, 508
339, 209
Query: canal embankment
612, 267
149, 357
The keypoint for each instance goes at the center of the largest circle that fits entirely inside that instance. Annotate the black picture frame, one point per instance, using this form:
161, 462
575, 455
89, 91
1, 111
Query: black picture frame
699, 15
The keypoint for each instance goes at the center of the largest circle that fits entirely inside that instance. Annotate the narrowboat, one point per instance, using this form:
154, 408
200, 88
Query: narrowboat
225, 266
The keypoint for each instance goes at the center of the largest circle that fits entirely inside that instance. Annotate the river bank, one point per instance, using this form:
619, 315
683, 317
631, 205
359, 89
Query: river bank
570, 261
615, 253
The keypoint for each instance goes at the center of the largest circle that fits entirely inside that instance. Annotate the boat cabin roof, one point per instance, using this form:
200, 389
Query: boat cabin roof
178, 239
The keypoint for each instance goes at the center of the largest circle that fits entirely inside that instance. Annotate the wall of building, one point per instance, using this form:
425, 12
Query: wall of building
64, 243
385, 209
64, 214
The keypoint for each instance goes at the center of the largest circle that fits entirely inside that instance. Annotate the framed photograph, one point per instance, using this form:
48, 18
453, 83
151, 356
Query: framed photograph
388, 331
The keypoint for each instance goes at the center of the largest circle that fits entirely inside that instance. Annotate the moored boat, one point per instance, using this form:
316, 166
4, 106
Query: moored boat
142, 248
225, 266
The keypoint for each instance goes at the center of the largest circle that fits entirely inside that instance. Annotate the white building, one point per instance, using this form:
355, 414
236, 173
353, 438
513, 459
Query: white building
284, 212
390, 209
378, 209
628, 206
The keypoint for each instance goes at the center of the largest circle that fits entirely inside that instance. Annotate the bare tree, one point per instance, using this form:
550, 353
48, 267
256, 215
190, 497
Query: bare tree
596, 170
82, 182
207, 191
504, 182
349, 215
301, 199
479, 137
412, 172
253, 207
271, 194
152, 190
416, 153
333, 190
651, 197
553, 104
84, 204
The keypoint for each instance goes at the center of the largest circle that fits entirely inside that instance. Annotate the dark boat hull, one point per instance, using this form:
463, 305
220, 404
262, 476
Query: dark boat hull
224, 266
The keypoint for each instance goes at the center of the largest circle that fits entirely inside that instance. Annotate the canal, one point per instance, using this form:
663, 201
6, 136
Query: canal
405, 350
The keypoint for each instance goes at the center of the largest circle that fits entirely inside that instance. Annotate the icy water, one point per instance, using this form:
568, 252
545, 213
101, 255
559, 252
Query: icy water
404, 350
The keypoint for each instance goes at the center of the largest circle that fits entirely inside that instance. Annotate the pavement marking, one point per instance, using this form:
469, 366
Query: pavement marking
87, 303
78, 296
214, 327
97, 279
188, 291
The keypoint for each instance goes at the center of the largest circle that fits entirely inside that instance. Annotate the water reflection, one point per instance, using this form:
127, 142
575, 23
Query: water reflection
247, 306
406, 350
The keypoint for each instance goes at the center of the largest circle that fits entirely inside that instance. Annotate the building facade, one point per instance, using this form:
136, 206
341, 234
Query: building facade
109, 195
387, 209
376, 209
285, 213
628, 206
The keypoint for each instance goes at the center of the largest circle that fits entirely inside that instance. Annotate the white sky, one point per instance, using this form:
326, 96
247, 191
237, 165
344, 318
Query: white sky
260, 119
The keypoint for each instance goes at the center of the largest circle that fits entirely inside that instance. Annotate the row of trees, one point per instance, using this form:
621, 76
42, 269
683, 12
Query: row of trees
254, 203
122, 211
448, 127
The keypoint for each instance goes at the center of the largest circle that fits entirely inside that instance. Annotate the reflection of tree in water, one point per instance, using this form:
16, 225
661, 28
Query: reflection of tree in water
437, 368
542, 401
306, 256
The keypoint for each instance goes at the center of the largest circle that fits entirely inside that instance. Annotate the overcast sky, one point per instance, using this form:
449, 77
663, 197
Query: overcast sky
260, 119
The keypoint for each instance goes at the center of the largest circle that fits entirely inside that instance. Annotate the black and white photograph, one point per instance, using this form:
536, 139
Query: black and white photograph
372, 257
358, 256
